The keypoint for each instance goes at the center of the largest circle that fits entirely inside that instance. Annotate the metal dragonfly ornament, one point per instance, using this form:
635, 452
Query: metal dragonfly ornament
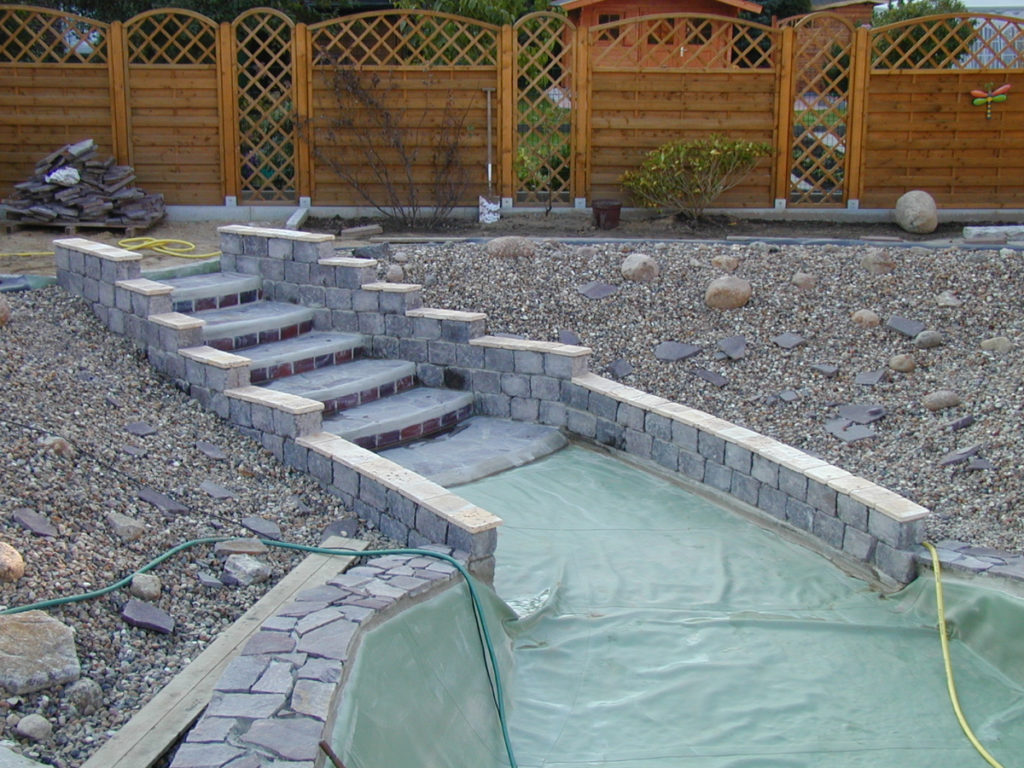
986, 98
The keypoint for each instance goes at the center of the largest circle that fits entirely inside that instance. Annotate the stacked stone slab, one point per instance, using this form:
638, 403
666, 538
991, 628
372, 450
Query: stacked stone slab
526, 380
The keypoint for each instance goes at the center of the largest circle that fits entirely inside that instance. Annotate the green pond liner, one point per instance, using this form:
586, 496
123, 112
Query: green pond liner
646, 626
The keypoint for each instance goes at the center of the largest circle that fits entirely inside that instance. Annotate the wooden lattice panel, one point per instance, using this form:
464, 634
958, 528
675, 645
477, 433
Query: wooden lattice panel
543, 109
402, 38
685, 42
822, 70
171, 37
266, 127
949, 42
38, 36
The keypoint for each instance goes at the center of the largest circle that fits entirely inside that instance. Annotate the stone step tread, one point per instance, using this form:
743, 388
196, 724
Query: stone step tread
212, 284
398, 412
251, 318
338, 380
313, 344
479, 447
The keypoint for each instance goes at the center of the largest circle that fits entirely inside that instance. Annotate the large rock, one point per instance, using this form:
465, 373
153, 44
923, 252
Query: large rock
86, 696
866, 318
243, 570
511, 247
146, 586
12, 564
940, 400
640, 268
36, 652
878, 262
727, 292
915, 212
34, 728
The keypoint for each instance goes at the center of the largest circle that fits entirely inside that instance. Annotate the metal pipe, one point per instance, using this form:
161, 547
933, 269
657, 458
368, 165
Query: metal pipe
490, 149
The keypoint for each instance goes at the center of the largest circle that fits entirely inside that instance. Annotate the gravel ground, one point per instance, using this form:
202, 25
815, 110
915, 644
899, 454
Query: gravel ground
63, 373
538, 297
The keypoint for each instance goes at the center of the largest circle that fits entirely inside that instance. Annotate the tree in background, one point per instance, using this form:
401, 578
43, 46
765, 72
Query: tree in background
218, 10
940, 42
490, 11
778, 9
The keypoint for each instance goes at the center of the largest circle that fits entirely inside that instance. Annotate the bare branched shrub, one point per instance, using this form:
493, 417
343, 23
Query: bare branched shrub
403, 161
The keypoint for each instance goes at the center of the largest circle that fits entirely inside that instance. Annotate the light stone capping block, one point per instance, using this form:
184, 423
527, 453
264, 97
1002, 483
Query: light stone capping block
281, 401
392, 287
347, 261
283, 234
432, 313
528, 345
177, 321
102, 250
145, 286
890, 504
215, 357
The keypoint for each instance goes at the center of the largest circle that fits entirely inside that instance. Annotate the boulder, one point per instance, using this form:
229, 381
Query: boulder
902, 363
865, 318
998, 344
12, 564
916, 213
85, 696
146, 586
877, 261
940, 400
243, 570
640, 268
727, 292
805, 281
34, 728
928, 339
511, 247
126, 528
726, 262
36, 652
395, 274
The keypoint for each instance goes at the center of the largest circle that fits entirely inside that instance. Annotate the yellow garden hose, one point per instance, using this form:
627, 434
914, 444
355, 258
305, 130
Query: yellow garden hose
940, 604
165, 246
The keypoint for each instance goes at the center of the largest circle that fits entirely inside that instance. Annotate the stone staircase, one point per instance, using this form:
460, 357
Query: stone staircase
376, 403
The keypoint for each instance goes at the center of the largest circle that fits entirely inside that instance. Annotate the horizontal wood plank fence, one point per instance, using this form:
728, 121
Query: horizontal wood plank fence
265, 110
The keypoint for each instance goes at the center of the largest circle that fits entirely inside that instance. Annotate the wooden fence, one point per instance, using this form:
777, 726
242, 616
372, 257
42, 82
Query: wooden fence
265, 110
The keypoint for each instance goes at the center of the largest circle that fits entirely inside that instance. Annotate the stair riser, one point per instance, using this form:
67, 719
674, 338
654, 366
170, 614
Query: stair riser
188, 306
283, 370
231, 343
343, 403
415, 431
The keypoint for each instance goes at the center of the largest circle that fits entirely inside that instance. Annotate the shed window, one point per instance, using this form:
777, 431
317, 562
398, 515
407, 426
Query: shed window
609, 18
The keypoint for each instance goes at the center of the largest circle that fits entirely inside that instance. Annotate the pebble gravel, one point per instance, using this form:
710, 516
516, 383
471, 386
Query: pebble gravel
69, 390
966, 296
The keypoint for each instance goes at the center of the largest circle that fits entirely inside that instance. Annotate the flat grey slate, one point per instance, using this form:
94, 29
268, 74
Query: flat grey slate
734, 347
568, 337
164, 503
710, 377
32, 521
315, 344
847, 431
597, 290
862, 414
251, 318
414, 406
10, 759
828, 370
909, 328
789, 340
345, 379
211, 451
481, 446
670, 351
211, 284
620, 368
870, 378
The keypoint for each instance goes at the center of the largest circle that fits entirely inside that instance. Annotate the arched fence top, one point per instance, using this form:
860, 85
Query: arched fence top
684, 41
404, 38
823, 19
543, 18
949, 41
30, 35
171, 36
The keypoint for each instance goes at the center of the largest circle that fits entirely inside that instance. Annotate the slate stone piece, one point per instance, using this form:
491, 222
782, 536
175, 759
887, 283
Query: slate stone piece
870, 378
710, 376
909, 328
734, 347
133, 450
980, 463
862, 414
208, 580
789, 395
147, 616
597, 290
294, 738
32, 521
847, 431
215, 491
140, 429
379, 251
165, 504
568, 337
347, 527
827, 370
211, 451
620, 369
961, 423
265, 529
960, 455
670, 351
789, 340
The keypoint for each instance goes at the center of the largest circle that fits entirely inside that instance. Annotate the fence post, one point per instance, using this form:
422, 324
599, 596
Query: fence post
856, 115
784, 118
228, 110
302, 83
581, 112
117, 66
507, 127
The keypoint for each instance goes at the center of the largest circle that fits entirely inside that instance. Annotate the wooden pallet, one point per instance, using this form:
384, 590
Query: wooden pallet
72, 227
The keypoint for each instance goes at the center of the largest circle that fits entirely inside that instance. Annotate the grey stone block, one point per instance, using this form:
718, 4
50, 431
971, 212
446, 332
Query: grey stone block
227, 261
426, 328
497, 405
581, 423
321, 467
295, 455
107, 294
793, 484
553, 414
338, 298
565, 367
322, 275
528, 362
430, 375
274, 444
488, 382
240, 412
638, 443
296, 272
515, 385
385, 347
371, 323
322, 319
603, 407
343, 320
394, 529
499, 360
469, 356
544, 388
442, 352
248, 265
738, 458
366, 301
859, 545
799, 514
398, 325
345, 479
431, 526
575, 396
685, 436
525, 409
255, 245
413, 350
665, 453
828, 528
373, 493
711, 447
272, 269
745, 488
892, 532
821, 497
657, 426
852, 512
312, 252
457, 378
478, 544
630, 416
312, 296
899, 564
717, 475
772, 501
691, 464
609, 433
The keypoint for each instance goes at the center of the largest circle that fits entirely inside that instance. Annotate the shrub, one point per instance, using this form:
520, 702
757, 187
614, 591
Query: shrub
687, 176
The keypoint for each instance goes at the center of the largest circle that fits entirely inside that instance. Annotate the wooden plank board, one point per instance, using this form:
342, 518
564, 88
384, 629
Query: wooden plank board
153, 730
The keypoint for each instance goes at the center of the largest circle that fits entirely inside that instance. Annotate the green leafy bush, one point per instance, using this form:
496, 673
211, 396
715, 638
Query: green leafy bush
687, 176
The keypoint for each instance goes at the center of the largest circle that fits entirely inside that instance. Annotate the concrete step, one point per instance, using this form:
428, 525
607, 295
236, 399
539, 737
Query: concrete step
214, 290
400, 418
257, 323
341, 387
318, 349
478, 447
